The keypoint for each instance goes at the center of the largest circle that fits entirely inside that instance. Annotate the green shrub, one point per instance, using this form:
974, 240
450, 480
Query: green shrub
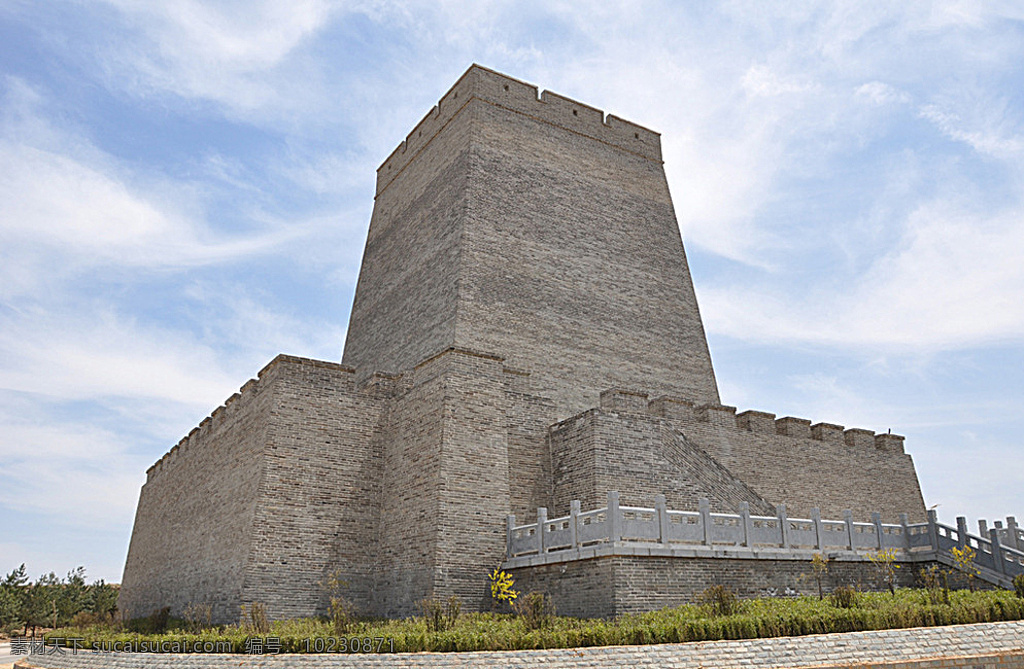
935, 582
254, 619
441, 616
963, 561
536, 610
197, 617
1018, 585
85, 619
885, 565
844, 597
719, 601
491, 631
819, 568
154, 623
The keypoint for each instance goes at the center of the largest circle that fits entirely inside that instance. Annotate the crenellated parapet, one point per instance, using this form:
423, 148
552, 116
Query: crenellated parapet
761, 422
376, 385
228, 410
488, 86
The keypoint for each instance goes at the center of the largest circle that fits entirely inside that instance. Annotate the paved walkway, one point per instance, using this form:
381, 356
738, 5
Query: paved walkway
5, 655
989, 645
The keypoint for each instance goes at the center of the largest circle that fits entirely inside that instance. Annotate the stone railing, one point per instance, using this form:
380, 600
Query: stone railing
581, 533
1010, 536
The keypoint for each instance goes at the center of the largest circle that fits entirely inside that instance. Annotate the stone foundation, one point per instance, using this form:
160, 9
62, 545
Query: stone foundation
617, 585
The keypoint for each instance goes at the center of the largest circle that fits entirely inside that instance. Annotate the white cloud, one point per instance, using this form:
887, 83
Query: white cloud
755, 103
882, 94
986, 135
216, 51
954, 281
103, 491
91, 353
67, 208
761, 80
50, 458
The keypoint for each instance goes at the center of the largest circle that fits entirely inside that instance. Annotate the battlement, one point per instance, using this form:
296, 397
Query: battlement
231, 404
488, 86
758, 422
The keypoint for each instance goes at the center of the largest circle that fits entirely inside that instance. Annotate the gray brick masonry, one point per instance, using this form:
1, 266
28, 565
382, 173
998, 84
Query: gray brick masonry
530, 228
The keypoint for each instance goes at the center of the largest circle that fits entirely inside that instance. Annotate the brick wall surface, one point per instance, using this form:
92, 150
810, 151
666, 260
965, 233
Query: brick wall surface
407, 295
411, 500
191, 538
474, 484
320, 492
640, 456
616, 585
804, 472
529, 453
573, 264
518, 227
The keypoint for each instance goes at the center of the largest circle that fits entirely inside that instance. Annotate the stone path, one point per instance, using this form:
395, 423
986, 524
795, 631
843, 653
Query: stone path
988, 645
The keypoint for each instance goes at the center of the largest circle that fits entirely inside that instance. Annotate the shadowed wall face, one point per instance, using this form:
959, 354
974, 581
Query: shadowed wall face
547, 236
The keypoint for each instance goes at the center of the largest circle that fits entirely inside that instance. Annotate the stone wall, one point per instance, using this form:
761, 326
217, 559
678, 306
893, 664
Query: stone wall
410, 502
624, 446
265, 498
474, 483
453, 439
318, 499
537, 230
791, 461
523, 256
193, 525
621, 448
615, 585
529, 453
408, 292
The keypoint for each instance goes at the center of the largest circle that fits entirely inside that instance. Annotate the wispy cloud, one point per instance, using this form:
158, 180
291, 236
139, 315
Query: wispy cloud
221, 52
953, 282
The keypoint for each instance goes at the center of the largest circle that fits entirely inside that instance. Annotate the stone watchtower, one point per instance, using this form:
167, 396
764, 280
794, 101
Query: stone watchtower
524, 333
537, 229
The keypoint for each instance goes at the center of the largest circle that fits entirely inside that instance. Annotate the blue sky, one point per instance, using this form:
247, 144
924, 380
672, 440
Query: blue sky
185, 189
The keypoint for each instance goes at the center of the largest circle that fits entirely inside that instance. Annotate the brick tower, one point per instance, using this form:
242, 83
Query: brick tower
524, 334
537, 229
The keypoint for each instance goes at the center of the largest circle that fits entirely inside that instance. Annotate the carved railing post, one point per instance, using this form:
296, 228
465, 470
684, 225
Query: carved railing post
1012, 533
848, 517
997, 551
933, 529
542, 521
748, 524
510, 522
705, 519
614, 518
961, 532
661, 509
905, 523
876, 518
818, 531
574, 519
780, 511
